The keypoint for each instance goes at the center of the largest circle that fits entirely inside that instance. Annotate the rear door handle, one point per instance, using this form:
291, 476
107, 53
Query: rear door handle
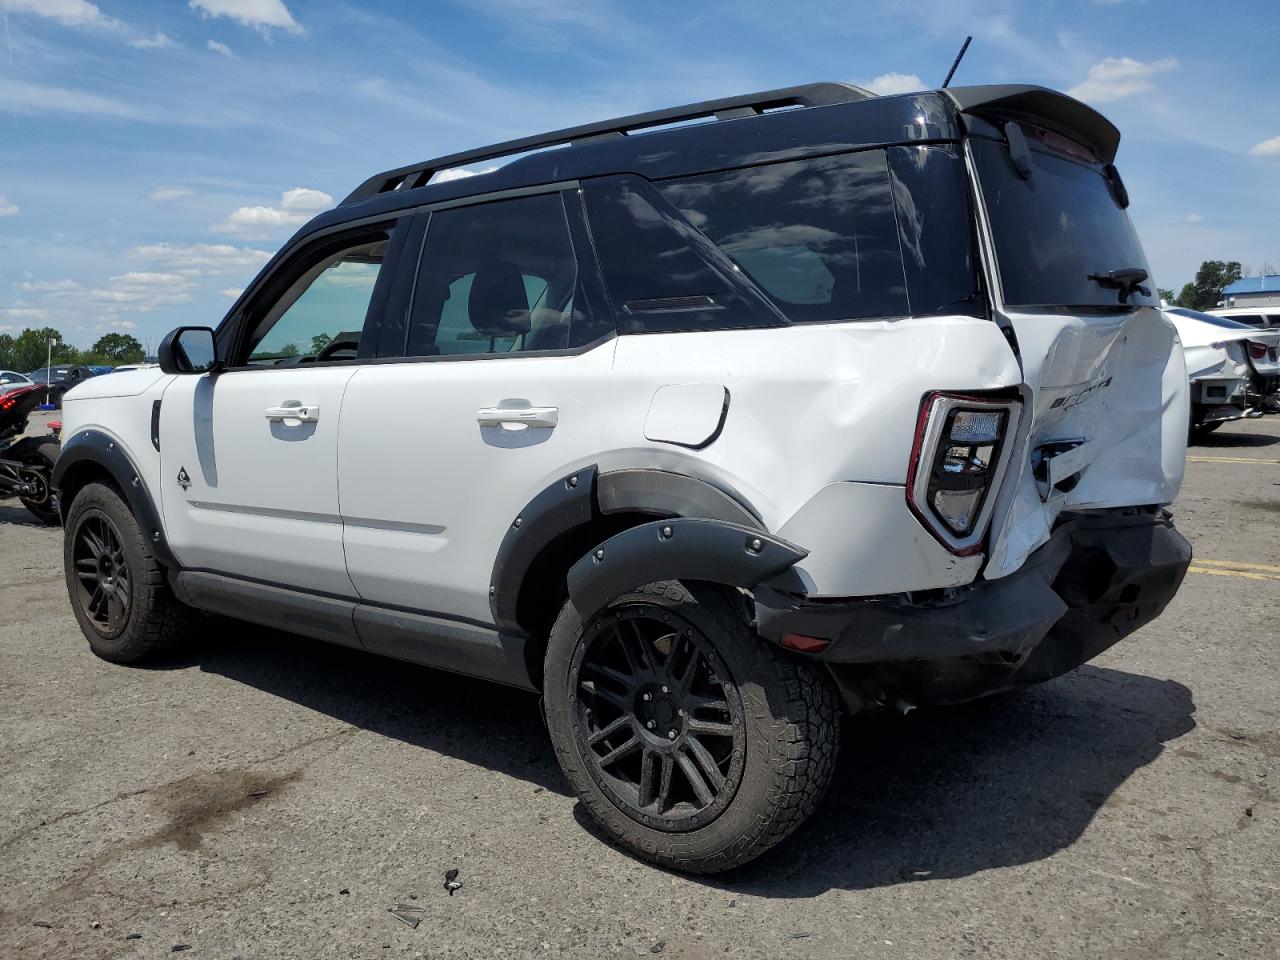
293, 411
512, 417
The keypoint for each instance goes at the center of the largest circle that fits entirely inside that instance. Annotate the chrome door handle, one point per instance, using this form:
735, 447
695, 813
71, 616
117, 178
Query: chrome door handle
518, 416
293, 410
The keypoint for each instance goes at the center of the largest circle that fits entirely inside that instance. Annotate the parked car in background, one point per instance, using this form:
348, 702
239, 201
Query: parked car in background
12, 380
59, 379
99, 369
707, 431
1263, 317
1213, 343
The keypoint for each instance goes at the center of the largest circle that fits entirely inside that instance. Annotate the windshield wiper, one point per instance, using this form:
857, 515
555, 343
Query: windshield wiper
1126, 280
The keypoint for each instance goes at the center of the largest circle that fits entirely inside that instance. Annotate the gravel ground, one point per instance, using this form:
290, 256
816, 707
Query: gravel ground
264, 796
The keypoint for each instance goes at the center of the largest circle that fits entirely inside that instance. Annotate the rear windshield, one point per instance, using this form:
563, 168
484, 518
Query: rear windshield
1056, 228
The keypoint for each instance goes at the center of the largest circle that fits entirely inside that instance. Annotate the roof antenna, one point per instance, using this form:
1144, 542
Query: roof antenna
959, 56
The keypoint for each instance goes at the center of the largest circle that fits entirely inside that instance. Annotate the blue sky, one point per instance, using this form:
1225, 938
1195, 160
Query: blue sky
153, 154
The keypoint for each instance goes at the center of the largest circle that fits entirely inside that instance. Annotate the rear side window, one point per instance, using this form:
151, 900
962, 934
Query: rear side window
662, 274
499, 278
819, 237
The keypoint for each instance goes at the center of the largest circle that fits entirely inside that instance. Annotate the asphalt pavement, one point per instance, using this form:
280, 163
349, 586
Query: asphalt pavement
265, 796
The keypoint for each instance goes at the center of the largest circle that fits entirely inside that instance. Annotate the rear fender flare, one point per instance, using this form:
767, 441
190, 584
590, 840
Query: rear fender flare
681, 548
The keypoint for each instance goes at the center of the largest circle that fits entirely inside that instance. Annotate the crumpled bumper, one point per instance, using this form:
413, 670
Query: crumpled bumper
1101, 576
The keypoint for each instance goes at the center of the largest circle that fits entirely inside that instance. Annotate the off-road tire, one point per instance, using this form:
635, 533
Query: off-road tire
156, 619
792, 726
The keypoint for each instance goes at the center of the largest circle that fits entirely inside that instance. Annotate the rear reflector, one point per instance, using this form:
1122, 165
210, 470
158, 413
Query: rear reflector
1257, 351
798, 641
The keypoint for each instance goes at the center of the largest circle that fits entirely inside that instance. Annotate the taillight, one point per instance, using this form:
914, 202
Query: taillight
961, 448
1257, 351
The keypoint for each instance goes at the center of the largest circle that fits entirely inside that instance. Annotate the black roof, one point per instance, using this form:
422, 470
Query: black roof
789, 123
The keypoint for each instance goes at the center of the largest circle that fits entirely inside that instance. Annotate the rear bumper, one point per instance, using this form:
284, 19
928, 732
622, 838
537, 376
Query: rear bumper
1100, 577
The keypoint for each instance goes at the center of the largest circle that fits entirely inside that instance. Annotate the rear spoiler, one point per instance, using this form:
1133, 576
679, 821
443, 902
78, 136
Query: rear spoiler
1042, 107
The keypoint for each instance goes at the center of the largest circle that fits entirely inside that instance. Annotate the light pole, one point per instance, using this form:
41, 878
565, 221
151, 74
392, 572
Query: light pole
48, 374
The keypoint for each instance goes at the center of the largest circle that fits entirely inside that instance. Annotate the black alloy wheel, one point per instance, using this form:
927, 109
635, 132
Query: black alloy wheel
658, 720
105, 586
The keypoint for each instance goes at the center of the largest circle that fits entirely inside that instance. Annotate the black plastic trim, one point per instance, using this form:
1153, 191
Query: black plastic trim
294, 611
680, 548
94, 446
565, 504
445, 644
666, 494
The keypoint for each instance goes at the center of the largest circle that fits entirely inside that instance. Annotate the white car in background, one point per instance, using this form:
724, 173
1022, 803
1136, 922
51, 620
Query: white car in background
1258, 317
1232, 367
12, 380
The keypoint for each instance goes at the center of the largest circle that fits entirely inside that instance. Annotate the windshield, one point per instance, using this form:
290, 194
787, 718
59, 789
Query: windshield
1055, 228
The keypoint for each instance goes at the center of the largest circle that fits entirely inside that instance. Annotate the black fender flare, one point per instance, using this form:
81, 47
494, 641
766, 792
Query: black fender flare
680, 548
97, 448
586, 495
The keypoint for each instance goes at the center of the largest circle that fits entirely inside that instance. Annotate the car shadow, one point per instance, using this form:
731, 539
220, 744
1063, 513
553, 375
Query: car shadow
937, 794
951, 792
1221, 439
487, 724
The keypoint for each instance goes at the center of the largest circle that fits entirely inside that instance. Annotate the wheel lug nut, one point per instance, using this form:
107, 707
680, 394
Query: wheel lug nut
680, 711
646, 697
650, 725
665, 690
671, 734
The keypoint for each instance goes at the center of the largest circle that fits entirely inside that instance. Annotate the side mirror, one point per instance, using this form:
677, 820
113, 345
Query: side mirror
188, 350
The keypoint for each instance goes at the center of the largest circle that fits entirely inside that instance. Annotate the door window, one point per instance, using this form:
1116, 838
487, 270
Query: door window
324, 306
499, 278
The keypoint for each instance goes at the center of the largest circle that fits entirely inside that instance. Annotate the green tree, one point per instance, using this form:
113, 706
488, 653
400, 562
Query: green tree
30, 348
118, 347
319, 342
1206, 290
1187, 295
7, 360
1165, 295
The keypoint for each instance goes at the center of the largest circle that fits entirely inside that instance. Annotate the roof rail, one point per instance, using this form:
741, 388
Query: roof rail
726, 108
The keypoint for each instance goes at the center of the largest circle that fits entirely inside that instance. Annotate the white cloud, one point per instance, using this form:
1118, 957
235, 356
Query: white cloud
221, 48
231, 292
47, 286
26, 97
152, 43
1267, 148
261, 14
888, 84
1116, 78
71, 13
8, 208
296, 207
1193, 218
192, 259
458, 173
167, 194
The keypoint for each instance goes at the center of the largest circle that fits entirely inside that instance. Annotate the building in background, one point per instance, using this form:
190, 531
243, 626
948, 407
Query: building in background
1252, 292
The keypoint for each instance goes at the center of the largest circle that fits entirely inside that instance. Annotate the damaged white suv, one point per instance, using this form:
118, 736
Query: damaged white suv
707, 431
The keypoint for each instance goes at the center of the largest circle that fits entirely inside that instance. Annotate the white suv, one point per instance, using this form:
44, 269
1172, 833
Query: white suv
707, 431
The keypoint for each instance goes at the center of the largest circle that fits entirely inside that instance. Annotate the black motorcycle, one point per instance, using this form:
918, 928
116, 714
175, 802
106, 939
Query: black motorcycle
26, 464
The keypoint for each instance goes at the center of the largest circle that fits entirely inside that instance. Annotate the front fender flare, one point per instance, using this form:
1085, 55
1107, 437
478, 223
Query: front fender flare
680, 548
105, 452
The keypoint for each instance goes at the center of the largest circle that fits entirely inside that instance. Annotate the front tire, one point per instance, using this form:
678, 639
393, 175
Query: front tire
118, 591
695, 743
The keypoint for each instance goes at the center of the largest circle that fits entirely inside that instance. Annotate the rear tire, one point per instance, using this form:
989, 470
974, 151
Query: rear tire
44, 509
766, 726
118, 591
